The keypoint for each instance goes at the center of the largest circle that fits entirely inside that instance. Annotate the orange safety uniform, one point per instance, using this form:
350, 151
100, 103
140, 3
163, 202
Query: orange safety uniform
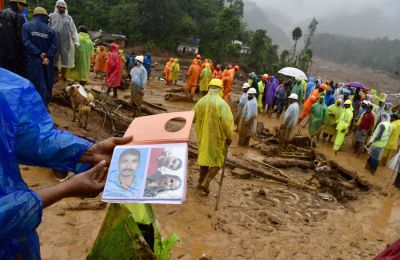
193, 77
227, 80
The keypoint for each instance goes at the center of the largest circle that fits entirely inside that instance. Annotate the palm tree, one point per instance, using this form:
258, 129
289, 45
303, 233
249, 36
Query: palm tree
296, 35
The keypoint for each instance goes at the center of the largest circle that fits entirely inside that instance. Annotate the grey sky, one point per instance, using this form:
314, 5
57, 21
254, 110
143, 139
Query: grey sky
359, 18
299, 10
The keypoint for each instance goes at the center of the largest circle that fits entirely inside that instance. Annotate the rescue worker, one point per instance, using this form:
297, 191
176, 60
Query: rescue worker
67, 38
298, 89
167, 71
312, 99
114, 71
193, 78
393, 142
101, 61
318, 118
261, 88
378, 143
147, 62
29, 137
213, 121
269, 95
343, 125
365, 125
83, 53
290, 118
227, 83
217, 73
41, 46
334, 112
242, 102
12, 50
248, 121
138, 82
205, 78
175, 69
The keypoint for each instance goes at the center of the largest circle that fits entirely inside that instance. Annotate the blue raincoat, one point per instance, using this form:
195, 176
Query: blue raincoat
147, 61
27, 136
310, 86
38, 38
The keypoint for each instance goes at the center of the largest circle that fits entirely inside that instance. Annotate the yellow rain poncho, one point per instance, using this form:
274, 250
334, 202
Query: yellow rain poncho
83, 55
214, 124
261, 89
342, 124
334, 112
393, 142
175, 68
205, 78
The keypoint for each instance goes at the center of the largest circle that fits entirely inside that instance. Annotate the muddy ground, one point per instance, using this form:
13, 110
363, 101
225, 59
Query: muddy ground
258, 218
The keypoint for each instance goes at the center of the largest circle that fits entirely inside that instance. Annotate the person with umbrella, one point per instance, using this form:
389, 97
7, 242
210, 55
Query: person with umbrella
298, 90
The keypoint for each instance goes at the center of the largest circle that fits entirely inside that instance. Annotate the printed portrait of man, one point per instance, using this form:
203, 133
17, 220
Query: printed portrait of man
129, 162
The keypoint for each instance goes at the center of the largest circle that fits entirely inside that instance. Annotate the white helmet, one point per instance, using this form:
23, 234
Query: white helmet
252, 91
139, 58
294, 96
246, 85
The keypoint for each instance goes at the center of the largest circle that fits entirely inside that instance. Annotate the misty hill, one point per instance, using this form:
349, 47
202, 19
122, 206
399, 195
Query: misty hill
255, 19
371, 23
381, 53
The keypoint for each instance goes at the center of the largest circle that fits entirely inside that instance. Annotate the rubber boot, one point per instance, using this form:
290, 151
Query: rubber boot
205, 185
203, 173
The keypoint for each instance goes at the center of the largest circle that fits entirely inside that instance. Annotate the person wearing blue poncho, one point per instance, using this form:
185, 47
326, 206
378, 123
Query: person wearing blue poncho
147, 62
28, 136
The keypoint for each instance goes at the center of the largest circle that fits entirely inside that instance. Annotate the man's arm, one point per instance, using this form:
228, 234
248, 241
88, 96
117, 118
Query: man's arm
21, 211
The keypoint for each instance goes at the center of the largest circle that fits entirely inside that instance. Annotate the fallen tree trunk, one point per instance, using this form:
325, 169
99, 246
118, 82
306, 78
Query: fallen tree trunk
175, 90
289, 163
178, 98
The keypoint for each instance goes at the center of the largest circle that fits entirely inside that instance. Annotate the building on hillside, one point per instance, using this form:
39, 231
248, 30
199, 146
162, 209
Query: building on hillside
243, 48
189, 46
100, 37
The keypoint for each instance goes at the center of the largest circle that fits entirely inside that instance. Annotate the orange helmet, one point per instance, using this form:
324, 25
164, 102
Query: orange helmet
323, 86
237, 67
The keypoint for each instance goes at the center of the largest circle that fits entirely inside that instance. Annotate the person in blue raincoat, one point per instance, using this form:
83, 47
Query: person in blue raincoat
310, 87
28, 136
147, 62
40, 42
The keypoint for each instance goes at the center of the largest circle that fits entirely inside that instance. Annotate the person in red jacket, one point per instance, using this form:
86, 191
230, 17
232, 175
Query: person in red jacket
114, 70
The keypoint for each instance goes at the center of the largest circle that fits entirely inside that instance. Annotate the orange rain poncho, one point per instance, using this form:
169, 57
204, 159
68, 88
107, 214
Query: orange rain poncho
101, 60
311, 100
193, 76
167, 68
227, 79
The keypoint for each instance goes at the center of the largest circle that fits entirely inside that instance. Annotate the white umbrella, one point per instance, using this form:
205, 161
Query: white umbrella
293, 72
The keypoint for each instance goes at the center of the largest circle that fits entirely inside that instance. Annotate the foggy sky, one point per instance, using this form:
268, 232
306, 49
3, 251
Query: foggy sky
361, 18
300, 10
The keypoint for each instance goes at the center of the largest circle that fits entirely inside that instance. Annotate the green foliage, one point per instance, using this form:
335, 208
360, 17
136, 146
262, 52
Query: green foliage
296, 34
264, 54
380, 53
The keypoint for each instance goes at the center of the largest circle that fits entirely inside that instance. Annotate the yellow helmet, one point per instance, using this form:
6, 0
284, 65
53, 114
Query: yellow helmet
40, 10
216, 83
19, 1
348, 102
